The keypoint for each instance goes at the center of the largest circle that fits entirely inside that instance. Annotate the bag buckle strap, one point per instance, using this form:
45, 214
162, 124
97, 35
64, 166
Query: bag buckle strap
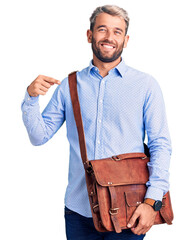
113, 211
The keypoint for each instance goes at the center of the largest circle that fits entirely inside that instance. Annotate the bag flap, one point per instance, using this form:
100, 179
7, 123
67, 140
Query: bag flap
128, 169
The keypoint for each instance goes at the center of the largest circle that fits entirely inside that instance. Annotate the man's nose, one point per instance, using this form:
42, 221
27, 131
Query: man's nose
109, 35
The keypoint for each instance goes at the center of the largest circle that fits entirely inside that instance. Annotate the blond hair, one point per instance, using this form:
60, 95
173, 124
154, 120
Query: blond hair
112, 10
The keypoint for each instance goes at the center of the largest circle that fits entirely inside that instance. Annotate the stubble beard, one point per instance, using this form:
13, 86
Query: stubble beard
97, 52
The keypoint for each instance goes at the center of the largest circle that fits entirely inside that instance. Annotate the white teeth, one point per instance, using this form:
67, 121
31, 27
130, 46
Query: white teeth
107, 46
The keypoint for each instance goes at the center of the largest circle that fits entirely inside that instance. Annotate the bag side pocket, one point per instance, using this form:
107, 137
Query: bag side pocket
133, 199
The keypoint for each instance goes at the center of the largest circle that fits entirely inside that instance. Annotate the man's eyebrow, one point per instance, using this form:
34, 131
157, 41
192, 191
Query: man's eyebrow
100, 26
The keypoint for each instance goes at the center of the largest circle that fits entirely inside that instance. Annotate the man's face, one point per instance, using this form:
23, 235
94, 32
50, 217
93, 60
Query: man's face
108, 37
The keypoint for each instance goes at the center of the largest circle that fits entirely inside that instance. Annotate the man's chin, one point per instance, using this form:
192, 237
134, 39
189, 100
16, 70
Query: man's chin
107, 59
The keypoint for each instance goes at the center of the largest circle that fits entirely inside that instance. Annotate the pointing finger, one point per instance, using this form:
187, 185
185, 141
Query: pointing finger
51, 80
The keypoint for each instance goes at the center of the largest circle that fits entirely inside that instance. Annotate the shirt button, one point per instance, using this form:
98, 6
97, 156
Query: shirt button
101, 101
100, 120
28, 99
25, 113
98, 141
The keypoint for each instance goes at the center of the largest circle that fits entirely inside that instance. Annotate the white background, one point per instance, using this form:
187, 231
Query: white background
49, 37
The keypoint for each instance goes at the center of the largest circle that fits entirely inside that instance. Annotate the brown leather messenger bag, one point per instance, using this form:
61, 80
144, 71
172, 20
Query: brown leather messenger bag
116, 185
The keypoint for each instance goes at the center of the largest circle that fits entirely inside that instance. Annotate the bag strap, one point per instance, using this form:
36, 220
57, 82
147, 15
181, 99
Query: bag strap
78, 118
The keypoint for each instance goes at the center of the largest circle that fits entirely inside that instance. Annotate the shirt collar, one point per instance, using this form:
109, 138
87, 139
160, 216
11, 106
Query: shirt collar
120, 68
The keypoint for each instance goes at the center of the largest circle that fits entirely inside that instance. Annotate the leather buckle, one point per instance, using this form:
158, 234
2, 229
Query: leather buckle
113, 211
115, 158
96, 208
88, 168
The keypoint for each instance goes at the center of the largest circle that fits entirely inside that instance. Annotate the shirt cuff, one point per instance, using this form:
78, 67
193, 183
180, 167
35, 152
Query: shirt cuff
154, 193
30, 100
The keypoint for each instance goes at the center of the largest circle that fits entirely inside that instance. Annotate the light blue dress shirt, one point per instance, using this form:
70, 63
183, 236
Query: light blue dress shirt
117, 111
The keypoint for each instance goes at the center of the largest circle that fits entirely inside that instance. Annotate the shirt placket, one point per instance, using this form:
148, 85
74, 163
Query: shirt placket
99, 141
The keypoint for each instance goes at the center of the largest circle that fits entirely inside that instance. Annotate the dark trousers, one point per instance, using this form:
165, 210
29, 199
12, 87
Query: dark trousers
82, 228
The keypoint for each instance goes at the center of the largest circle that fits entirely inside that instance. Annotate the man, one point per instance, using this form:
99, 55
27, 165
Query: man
119, 104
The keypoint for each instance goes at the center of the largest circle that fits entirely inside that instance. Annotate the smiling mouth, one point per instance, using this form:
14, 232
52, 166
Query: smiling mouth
107, 46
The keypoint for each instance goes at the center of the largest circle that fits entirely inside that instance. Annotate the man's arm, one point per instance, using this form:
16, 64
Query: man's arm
41, 127
159, 144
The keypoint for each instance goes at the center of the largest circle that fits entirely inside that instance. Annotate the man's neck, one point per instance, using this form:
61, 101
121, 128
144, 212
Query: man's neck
104, 67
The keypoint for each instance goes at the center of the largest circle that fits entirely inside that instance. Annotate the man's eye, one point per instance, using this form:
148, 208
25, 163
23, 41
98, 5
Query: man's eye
117, 32
102, 30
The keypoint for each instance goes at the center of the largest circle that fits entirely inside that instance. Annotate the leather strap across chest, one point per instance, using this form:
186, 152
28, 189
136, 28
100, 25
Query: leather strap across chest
78, 118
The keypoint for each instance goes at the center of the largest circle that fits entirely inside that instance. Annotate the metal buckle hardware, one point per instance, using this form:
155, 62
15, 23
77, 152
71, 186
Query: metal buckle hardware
95, 206
113, 211
89, 168
115, 158
144, 158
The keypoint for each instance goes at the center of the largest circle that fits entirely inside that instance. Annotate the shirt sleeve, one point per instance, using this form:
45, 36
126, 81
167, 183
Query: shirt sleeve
159, 142
41, 127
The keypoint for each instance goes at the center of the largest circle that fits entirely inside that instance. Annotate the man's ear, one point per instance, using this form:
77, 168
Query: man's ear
126, 41
89, 36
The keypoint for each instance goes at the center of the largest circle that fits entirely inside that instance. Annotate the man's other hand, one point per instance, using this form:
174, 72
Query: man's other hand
145, 215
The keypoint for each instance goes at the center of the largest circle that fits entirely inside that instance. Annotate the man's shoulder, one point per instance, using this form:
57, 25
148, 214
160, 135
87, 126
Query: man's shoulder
137, 73
139, 76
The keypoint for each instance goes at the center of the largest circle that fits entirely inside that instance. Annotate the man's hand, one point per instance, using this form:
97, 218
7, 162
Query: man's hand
146, 216
41, 85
